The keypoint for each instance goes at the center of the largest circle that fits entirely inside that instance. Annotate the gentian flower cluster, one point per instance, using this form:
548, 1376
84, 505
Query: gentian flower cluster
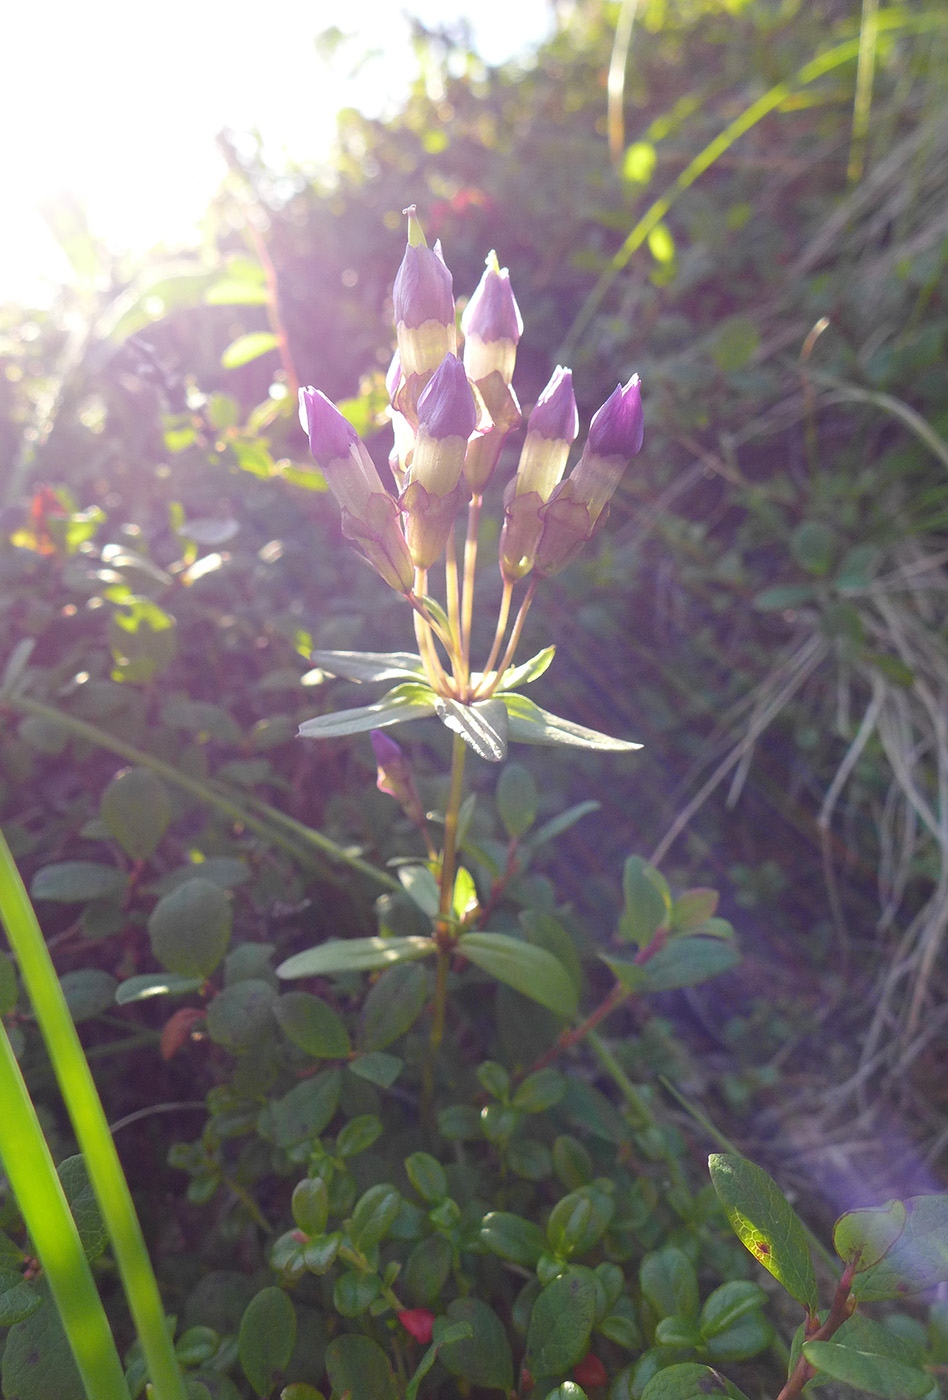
451, 418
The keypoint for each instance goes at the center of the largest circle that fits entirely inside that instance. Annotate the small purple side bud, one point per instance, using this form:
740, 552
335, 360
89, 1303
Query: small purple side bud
395, 776
330, 434
492, 325
618, 427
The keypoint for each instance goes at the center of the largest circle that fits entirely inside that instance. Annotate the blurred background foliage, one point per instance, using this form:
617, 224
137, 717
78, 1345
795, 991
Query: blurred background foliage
746, 204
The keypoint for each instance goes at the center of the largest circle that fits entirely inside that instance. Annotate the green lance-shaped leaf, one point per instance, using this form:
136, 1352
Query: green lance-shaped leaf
877, 1375
864, 1237
528, 969
560, 1323
310, 1023
482, 726
484, 1358
527, 671
648, 901
918, 1259
765, 1223
136, 810
355, 955
412, 700
190, 928
531, 725
358, 1367
685, 962
155, 984
266, 1338
370, 665
248, 347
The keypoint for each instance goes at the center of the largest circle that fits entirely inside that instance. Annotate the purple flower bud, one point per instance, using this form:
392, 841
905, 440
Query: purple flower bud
555, 414
551, 430
617, 428
330, 434
369, 513
447, 408
423, 285
492, 325
492, 312
395, 776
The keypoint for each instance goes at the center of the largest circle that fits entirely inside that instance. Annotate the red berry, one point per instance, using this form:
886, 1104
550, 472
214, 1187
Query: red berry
590, 1372
419, 1322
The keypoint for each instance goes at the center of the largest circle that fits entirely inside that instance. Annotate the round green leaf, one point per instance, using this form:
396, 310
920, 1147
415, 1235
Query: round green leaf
240, 1014
37, 1360
78, 1191
136, 811
878, 1375
918, 1259
426, 1269
393, 1004
190, 928
354, 1291
75, 881
310, 1023
88, 991
427, 1176
668, 1280
374, 1215
357, 1366
866, 1236
512, 1238
517, 799
728, 1304
560, 1323
484, 1358
686, 1381
266, 1338
310, 1205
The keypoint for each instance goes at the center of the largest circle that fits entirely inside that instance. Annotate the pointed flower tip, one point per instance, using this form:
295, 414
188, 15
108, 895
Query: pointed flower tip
330, 435
555, 415
447, 408
617, 428
492, 312
416, 234
385, 749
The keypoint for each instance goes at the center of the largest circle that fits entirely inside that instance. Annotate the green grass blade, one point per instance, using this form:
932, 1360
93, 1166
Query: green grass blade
91, 1128
39, 1194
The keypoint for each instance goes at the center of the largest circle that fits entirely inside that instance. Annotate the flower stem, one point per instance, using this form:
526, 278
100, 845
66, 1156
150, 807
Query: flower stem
453, 597
502, 617
470, 563
515, 634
